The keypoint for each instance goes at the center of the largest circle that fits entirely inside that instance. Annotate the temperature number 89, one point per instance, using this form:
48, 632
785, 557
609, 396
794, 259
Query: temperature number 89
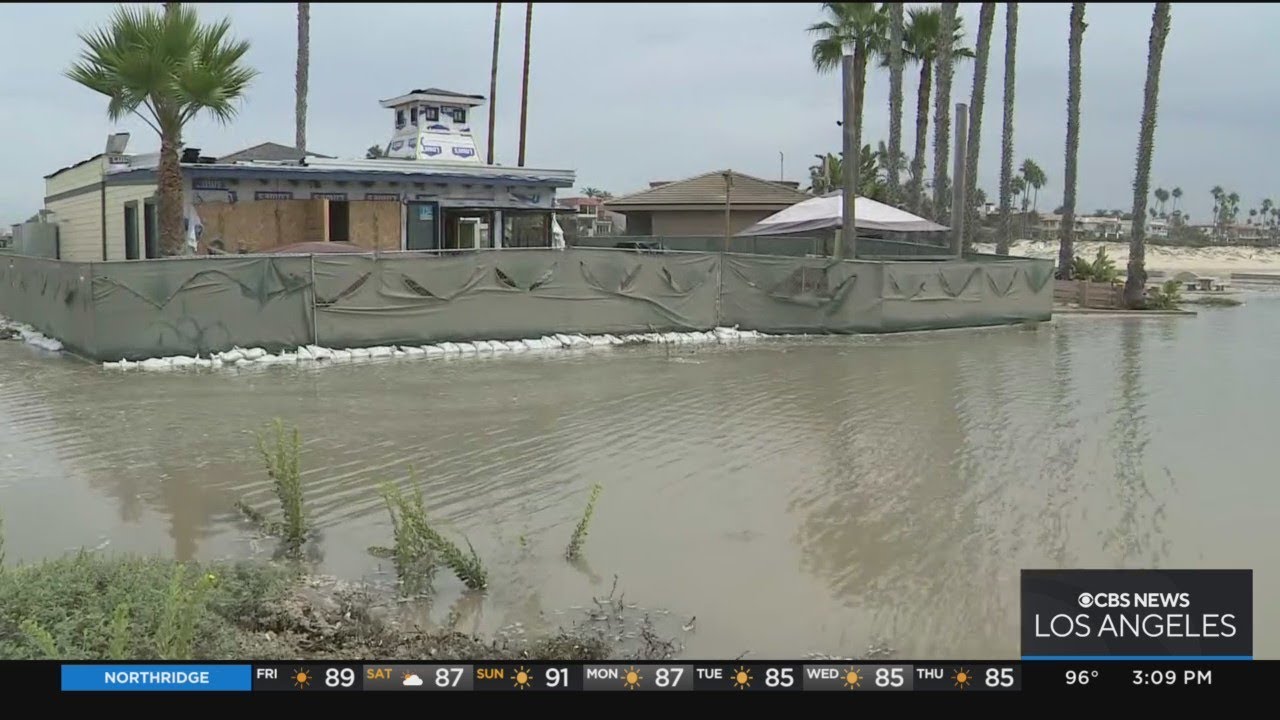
339, 677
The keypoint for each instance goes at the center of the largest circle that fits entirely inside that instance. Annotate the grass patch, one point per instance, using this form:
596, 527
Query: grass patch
85, 606
419, 546
574, 551
1212, 301
284, 468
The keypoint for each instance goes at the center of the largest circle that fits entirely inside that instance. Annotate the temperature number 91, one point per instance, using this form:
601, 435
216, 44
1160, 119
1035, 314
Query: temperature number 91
339, 677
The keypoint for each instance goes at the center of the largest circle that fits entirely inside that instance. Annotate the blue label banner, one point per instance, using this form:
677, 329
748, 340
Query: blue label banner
164, 678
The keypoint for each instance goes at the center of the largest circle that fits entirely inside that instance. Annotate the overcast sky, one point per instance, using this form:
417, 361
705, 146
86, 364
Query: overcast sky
625, 94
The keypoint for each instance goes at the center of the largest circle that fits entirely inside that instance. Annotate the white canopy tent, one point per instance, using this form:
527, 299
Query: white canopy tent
826, 212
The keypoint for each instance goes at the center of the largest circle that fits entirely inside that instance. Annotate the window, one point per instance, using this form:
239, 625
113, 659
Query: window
399, 119
429, 113
131, 231
413, 115
585, 209
460, 116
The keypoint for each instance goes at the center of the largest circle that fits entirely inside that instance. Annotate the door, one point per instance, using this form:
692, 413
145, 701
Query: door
468, 233
420, 226
131, 231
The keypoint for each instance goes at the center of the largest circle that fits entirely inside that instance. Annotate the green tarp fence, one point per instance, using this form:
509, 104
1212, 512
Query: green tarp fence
190, 306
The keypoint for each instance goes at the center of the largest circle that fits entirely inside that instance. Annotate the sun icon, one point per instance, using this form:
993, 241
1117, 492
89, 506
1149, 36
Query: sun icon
523, 678
852, 679
301, 679
742, 678
632, 679
962, 678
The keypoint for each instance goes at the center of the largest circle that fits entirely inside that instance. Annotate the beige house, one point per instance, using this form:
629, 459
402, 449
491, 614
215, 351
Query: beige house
696, 206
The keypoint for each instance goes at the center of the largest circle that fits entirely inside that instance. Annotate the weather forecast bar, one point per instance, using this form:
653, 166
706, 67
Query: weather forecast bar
1072, 675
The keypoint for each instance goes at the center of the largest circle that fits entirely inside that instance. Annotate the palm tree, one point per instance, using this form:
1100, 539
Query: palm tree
1176, 195
850, 27
921, 42
1035, 178
827, 175
986, 19
1266, 211
166, 68
1136, 281
944, 68
592, 192
1006, 139
524, 88
300, 78
1020, 190
1162, 197
1067, 230
493, 78
895, 57
374, 152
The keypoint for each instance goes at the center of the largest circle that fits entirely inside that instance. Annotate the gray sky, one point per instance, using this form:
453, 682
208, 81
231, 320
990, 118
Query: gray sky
625, 94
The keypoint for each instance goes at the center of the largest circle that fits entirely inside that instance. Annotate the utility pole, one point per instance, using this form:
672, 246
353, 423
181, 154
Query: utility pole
847, 238
728, 191
782, 166
524, 91
493, 77
958, 180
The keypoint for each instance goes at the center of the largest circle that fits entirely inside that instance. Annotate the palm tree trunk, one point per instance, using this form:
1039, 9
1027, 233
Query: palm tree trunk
895, 101
169, 190
524, 91
493, 78
1136, 281
1006, 140
922, 137
304, 66
942, 115
986, 19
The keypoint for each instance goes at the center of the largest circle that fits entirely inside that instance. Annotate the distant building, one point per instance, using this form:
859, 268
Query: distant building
589, 217
696, 206
1099, 227
431, 193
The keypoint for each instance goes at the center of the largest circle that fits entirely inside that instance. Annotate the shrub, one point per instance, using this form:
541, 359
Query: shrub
580, 532
418, 545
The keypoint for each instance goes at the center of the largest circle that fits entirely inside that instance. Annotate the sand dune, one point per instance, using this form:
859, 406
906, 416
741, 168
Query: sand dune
1209, 261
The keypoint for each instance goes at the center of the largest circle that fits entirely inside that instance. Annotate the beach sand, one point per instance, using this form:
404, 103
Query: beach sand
1214, 261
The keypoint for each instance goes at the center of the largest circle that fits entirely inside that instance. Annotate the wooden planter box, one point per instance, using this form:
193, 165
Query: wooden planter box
1088, 294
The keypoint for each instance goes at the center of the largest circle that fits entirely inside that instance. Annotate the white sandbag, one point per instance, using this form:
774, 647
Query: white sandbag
359, 353
253, 353
467, 348
433, 351
580, 341
215, 363
267, 360
564, 340
204, 362
499, 346
340, 355
670, 338
112, 365
287, 357
181, 361
633, 339
232, 355
153, 364
550, 343
243, 361
534, 344
450, 348
397, 352
515, 346
415, 352
304, 355
613, 339
380, 351
598, 340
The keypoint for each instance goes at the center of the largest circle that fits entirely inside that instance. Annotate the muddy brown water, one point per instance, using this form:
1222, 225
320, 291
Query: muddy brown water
796, 496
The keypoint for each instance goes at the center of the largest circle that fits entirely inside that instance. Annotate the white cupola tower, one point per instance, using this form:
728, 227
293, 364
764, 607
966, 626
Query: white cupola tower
433, 124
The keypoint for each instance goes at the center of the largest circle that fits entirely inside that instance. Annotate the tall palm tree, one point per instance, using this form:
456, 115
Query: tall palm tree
524, 88
986, 19
921, 42
493, 78
895, 58
942, 114
166, 67
300, 77
1036, 179
1067, 229
1006, 139
1162, 197
855, 27
1136, 281
1176, 195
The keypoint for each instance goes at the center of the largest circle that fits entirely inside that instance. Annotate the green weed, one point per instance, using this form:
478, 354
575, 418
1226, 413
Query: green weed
283, 462
580, 532
418, 546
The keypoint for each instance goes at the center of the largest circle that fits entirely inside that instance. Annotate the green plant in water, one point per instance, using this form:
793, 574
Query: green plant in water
284, 468
418, 546
1102, 269
1166, 297
580, 532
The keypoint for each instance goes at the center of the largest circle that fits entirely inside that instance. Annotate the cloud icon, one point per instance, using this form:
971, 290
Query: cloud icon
412, 680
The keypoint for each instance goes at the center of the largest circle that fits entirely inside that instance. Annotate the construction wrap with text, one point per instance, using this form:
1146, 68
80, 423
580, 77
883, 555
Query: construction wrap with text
196, 306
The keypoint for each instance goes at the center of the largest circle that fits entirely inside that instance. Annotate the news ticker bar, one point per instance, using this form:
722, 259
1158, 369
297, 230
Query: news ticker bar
910, 676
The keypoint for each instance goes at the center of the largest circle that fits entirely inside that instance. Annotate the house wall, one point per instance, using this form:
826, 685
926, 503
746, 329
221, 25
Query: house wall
375, 225
79, 215
703, 222
254, 226
117, 197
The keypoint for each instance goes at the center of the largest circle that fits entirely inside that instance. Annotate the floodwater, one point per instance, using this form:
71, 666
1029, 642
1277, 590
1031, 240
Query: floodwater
796, 496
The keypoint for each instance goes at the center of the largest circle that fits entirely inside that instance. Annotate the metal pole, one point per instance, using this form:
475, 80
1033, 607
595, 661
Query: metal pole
728, 190
958, 179
847, 238
493, 77
782, 166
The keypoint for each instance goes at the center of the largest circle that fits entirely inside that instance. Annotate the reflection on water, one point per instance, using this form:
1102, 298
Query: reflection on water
800, 496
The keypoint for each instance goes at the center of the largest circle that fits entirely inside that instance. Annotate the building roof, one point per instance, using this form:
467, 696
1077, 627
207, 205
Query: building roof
274, 152
433, 94
446, 93
59, 171
709, 189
